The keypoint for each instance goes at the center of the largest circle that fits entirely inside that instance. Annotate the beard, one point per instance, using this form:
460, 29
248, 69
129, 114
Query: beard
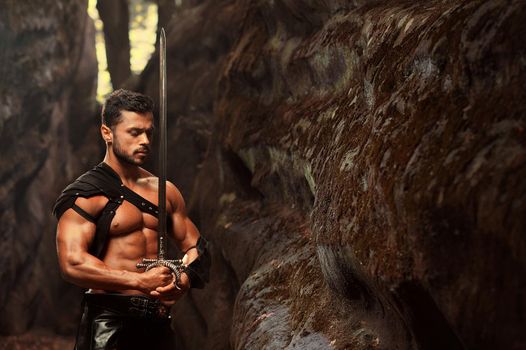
121, 154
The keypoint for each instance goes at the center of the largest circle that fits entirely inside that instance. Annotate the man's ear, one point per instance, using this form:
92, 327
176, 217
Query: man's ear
106, 133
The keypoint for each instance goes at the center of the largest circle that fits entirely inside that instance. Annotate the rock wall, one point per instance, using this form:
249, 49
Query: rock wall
357, 166
48, 69
363, 185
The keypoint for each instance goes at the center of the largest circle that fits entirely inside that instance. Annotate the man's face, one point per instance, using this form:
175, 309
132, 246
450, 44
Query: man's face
132, 137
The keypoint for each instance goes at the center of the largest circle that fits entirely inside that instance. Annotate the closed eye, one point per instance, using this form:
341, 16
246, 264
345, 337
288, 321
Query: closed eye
138, 131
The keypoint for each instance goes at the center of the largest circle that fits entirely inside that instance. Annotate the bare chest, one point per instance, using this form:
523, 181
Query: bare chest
129, 218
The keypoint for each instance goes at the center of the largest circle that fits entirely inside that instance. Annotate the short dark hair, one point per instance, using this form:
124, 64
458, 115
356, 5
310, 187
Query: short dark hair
124, 100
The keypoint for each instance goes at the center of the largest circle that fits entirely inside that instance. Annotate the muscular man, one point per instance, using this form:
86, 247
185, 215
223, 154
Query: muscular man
108, 223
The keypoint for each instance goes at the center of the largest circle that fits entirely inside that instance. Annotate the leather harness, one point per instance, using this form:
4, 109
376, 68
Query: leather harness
103, 180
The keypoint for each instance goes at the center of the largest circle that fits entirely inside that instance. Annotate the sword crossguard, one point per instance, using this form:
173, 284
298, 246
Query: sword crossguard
176, 266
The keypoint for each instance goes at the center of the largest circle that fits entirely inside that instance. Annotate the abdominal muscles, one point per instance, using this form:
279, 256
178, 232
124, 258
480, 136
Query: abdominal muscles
132, 237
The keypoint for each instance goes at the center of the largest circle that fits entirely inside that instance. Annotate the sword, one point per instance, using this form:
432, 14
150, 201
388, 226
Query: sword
175, 265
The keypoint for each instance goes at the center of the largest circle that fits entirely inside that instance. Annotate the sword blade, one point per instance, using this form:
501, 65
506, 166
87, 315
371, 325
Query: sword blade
162, 146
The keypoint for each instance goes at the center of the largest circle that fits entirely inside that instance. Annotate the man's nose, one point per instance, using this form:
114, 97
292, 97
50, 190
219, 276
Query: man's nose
145, 140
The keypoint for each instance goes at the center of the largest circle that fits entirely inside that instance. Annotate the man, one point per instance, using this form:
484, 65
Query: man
107, 223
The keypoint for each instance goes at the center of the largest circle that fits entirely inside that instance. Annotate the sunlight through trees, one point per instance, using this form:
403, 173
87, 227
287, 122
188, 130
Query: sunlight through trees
142, 34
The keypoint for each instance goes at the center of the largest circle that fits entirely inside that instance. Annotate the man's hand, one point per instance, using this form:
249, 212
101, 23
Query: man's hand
169, 294
160, 276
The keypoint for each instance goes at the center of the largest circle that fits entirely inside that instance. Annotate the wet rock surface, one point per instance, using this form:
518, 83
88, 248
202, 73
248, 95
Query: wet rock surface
358, 168
393, 134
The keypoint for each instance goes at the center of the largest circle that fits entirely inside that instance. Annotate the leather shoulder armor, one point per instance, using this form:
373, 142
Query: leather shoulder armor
101, 180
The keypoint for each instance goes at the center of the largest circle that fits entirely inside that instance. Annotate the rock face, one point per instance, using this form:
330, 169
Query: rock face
364, 182
48, 69
358, 168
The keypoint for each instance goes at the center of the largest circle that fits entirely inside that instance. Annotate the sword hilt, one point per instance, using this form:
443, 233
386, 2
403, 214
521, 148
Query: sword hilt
175, 265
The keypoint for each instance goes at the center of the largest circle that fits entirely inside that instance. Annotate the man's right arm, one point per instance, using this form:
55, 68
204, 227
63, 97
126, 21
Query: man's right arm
74, 235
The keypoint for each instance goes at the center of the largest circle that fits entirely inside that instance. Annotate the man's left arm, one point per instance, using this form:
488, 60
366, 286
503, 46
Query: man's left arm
186, 237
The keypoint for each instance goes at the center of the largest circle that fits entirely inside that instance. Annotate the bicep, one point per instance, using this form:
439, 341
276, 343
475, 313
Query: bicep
76, 227
184, 230
74, 236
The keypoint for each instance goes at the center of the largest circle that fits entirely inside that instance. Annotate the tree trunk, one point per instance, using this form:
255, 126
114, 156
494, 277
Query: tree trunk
116, 17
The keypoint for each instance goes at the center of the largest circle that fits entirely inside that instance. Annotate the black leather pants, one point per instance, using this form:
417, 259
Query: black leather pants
122, 322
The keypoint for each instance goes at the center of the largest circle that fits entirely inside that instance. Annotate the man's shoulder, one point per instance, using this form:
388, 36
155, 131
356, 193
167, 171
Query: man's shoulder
100, 177
84, 182
151, 182
175, 196
95, 182
148, 181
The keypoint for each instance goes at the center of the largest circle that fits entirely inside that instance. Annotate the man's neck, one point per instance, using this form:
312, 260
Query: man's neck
127, 172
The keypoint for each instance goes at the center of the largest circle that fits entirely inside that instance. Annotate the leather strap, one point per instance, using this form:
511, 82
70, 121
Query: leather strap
84, 213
